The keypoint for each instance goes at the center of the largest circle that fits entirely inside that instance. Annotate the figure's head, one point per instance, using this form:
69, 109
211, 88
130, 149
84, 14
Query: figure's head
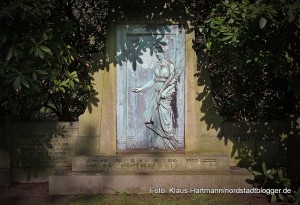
159, 52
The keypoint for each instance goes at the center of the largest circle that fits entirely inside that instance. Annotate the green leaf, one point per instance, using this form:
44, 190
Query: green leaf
218, 21
73, 74
243, 15
226, 38
64, 83
25, 82
228, 34
43, 72
262, 22
231, 20
72, 84
48, 62
62, 89
46, 49
208, 45
68, 73
264, 167
45, 37
31, 50
34, 76
270, 176
41, 53
280, 174
256, 173
9, 55
17, 83
36, 51
273, 198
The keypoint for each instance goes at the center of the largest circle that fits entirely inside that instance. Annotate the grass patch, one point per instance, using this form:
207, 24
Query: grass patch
148, 199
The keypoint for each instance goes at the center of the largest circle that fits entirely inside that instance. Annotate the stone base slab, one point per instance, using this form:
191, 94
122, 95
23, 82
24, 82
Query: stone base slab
65, 183
151, 162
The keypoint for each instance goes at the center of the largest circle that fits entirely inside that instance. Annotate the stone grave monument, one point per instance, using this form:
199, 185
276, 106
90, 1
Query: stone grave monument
148, 132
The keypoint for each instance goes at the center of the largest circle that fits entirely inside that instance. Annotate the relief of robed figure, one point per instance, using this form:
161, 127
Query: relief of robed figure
150, 87
160, 114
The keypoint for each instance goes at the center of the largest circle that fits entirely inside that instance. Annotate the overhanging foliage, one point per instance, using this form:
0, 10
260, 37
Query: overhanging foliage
253, 50
45, 53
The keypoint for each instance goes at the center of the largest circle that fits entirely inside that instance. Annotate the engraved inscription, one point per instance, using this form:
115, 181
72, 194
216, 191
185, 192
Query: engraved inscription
42, 150
146, 163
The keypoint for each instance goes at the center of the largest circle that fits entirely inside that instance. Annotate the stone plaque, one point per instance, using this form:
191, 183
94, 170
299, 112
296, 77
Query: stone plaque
151, 163
150, 87
42, 146
39, 150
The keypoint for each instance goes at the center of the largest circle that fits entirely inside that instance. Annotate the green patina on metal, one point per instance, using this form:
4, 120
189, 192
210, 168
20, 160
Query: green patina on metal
150, 83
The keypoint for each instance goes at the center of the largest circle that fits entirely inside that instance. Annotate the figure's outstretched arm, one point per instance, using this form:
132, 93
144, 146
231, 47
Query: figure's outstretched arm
147, 85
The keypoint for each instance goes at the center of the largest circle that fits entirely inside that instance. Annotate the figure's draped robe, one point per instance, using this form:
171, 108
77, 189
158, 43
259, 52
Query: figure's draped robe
159, 114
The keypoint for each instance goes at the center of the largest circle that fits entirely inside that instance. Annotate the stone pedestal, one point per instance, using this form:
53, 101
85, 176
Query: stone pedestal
146, 173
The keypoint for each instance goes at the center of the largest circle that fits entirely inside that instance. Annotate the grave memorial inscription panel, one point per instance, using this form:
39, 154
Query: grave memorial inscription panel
39, 150
151, 163
43, 144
